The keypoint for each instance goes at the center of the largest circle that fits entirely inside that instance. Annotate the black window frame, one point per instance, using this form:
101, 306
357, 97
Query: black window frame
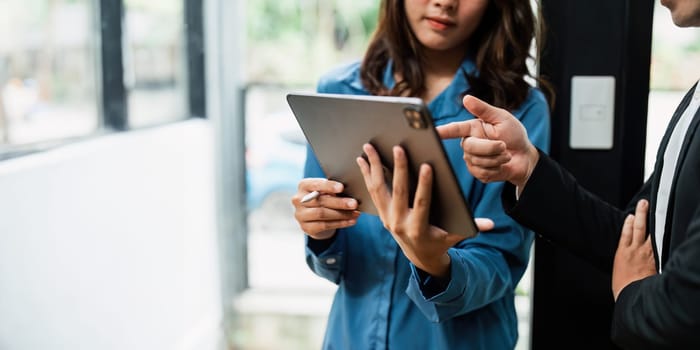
112, 96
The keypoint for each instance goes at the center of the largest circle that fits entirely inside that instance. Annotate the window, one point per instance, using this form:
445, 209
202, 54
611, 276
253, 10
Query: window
674, 54
290, 44
77, 68
47, 71
153, 54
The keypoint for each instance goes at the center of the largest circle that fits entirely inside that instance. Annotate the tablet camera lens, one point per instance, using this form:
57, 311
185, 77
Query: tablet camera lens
414, 118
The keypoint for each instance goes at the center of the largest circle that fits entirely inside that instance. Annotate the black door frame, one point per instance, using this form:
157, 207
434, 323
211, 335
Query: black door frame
572, 301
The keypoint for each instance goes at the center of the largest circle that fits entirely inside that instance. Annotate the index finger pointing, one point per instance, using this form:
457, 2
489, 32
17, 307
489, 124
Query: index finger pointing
455, 129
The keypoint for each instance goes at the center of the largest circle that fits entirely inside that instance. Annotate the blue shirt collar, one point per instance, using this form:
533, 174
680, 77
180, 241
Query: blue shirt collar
448, 103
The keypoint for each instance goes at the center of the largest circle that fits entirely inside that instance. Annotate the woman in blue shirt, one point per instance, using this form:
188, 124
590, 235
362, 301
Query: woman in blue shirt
390, 295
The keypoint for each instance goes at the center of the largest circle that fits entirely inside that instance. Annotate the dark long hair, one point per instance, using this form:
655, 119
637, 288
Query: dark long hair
500, 47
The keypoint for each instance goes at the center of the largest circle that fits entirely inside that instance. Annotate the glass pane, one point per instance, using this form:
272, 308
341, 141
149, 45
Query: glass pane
154, 61
290, 44
47, 70
674, 69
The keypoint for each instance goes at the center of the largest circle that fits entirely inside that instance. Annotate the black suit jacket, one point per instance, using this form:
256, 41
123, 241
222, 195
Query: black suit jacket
662, 311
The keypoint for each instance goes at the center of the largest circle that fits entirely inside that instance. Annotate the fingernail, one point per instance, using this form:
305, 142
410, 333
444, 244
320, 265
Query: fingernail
338, 187
350, 203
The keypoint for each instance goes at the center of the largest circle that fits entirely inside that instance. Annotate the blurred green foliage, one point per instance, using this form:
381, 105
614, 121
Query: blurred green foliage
675, 53
269, 20
295, 41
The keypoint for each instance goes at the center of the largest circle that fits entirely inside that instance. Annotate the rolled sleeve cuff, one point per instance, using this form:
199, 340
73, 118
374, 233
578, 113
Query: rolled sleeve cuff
443, 303
319, 246
326, 263
436, 290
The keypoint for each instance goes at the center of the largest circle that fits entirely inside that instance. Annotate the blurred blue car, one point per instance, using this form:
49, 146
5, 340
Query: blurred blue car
275, 154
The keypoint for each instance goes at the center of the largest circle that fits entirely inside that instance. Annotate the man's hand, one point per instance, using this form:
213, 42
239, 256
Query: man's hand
634, 258
495, 145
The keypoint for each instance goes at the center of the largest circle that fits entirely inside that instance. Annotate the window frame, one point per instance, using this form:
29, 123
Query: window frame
112, 97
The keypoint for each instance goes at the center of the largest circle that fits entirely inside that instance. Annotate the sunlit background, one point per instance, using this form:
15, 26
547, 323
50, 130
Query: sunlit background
286, 306
119, 243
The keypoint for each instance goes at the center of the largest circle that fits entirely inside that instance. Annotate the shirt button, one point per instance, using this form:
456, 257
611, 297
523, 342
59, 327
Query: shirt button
330, 261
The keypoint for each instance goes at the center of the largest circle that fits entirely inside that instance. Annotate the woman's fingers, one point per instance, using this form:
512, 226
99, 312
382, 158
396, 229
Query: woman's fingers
320, 226
373, 174
321, 185
326, 211
400, 190
335, 202
423, 197
317, 219
484, 224
324, 214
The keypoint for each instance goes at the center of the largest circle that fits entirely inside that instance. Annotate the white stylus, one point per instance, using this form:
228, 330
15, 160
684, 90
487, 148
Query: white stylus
310, 196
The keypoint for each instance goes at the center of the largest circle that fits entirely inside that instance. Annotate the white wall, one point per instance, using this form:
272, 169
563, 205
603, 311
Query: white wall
111, 244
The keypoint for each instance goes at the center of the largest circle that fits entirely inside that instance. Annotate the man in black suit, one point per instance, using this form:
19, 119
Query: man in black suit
656, 277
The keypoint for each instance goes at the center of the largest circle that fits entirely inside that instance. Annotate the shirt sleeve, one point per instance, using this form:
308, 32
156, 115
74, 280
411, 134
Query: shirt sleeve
324, 257
487, 267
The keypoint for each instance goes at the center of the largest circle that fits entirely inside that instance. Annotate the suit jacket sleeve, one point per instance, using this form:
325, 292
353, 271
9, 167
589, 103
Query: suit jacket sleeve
558, 209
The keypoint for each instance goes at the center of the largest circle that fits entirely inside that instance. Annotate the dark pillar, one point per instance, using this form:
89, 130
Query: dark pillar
572, 301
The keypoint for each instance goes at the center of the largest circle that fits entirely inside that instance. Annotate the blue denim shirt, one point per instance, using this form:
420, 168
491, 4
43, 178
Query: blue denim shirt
382, 300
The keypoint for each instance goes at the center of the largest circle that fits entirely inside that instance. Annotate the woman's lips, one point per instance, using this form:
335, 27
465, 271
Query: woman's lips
439, 23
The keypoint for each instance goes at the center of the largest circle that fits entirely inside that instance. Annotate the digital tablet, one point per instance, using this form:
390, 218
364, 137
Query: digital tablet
336, 127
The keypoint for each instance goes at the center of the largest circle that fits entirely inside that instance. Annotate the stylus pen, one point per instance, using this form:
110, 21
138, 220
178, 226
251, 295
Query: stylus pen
310, 196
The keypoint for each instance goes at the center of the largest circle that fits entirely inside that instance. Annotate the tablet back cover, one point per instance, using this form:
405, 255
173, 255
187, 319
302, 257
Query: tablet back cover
336, 127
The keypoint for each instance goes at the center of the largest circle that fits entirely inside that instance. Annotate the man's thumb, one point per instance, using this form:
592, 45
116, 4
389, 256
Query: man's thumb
483, 110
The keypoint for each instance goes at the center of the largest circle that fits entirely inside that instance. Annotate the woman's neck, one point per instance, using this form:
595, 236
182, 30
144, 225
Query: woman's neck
439, 69
440, 63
